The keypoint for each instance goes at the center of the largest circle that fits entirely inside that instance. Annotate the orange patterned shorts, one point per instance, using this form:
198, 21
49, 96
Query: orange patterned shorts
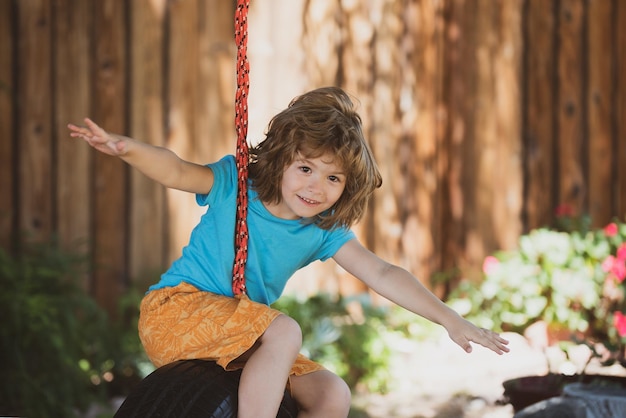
182, 322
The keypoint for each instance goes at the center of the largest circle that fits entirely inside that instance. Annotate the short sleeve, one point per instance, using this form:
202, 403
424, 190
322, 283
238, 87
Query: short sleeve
335, 240
225, 181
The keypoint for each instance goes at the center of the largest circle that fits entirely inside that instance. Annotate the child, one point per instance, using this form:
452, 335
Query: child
310, 180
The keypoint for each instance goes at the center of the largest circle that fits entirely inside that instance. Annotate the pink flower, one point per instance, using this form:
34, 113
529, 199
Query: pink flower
564, 210
616, 267
610, 230
621, 252
619, 270
490, 264
619, 321
607, 264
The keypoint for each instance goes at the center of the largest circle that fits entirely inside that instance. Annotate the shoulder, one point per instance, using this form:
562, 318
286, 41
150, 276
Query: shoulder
333, 240
224, 180
226, 163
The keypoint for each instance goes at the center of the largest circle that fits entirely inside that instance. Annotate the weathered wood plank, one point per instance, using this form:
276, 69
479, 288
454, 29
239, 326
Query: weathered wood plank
458, 100
480, 157
72, 104
147, 239
538, 124
109, 190
572, 188
182, 57
215, 109
492, 169
34, 119
507, 174
620, 107
8, 182
386, 133
599, 100
420, 151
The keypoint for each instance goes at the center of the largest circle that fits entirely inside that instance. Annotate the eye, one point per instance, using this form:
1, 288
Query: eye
305, 169
334, 179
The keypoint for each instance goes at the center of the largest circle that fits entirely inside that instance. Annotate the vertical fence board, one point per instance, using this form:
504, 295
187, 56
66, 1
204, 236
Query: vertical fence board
486, 131
620, 107
571, 183
109, 92
8, 182
507, 174
386, 133
458, 101
421, 146
216, 77
480, 140
182, 57
146, 197
72, 100
599, 98
33, 118
538, 125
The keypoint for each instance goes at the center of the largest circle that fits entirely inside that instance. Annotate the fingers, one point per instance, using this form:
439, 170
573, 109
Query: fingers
92, 133
81, 131
94, 127
97, 137
491, 340
464, 333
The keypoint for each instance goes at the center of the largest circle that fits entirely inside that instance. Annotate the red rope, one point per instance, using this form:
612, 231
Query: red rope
241, 125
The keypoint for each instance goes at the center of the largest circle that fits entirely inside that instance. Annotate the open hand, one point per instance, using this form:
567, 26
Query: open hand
465, 333
98, 138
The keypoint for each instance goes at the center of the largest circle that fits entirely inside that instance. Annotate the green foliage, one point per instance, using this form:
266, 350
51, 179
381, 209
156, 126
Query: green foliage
572, 278
345, 335
59, 351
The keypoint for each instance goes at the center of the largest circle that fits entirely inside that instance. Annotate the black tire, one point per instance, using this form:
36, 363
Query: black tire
191, 388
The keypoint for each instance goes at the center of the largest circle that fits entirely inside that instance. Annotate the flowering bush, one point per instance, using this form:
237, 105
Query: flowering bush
571, 277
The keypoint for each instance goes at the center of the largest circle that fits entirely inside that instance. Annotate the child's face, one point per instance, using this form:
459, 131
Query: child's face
309, 187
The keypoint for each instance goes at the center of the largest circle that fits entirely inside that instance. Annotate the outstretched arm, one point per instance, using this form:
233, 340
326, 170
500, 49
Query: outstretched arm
402, 288
160, 164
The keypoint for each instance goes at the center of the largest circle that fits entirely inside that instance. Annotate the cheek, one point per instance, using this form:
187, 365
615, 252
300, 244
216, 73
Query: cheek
337, 194
288, 182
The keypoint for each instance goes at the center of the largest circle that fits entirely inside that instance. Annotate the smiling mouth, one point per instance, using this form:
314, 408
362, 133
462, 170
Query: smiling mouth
308, 201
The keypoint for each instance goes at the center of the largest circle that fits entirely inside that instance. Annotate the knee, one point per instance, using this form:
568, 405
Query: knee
284, 330
339, 396
332, 399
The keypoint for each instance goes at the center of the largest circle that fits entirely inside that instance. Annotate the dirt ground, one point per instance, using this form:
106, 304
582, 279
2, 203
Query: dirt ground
436, 379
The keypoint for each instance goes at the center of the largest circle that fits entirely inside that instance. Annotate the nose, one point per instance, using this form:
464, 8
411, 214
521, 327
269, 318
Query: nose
315, 184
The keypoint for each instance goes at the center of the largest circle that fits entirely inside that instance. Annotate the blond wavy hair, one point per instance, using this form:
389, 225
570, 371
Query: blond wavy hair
322, 121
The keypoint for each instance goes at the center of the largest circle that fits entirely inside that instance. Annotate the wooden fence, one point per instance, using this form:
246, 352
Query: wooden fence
484, 115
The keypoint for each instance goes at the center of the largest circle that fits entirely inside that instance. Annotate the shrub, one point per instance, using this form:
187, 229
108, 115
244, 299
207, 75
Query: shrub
571, 277
59, 351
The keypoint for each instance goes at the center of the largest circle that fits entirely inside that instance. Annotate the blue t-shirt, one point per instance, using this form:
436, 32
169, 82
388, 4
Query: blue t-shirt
277, 248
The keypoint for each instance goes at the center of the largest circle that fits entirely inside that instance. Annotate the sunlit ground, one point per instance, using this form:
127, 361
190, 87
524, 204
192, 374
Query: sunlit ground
436, 378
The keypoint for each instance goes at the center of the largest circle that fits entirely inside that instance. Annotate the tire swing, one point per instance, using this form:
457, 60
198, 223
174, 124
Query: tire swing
201, 388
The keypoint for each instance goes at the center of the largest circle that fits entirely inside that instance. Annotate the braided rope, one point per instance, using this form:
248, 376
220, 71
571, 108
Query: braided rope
241, 125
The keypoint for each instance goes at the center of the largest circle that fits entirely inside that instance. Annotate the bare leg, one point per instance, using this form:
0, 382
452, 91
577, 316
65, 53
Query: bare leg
321, 394
267, 368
